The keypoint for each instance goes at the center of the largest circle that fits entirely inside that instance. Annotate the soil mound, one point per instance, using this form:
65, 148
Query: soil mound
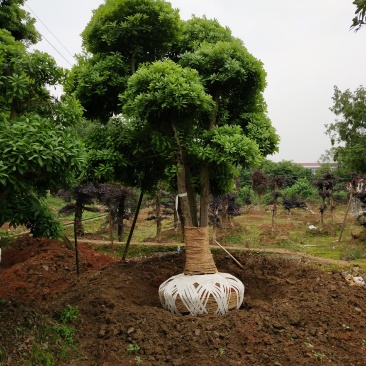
293, 312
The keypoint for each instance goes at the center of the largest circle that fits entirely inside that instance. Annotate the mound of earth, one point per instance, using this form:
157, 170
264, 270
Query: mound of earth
293, 312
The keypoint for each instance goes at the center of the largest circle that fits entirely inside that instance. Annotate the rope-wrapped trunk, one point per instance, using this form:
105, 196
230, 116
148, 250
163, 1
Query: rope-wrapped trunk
199, 259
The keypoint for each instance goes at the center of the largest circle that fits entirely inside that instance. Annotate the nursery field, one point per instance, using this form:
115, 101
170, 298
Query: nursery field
301, 305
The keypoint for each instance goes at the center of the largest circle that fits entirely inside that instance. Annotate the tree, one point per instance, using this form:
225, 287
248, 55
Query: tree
37, 156
18, 22
348, 133
260, 183
360, 19
38, 152
195, 110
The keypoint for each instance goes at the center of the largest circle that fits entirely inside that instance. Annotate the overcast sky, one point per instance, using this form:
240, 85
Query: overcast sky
306, 48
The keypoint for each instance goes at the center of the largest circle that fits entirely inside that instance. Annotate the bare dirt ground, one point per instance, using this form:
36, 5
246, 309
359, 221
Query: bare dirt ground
293, 312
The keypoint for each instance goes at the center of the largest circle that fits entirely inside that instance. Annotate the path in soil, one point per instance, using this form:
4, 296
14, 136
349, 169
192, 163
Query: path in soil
293, 312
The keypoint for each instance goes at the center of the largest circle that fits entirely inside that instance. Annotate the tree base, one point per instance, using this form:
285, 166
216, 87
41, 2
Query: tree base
201, 294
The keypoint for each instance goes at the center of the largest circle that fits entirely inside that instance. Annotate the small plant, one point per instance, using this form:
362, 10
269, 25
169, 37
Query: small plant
138, 360
308, 345
65, 332
69, 315
132, 348
41, 356
221, 351
319, 356
346, 327
6, 238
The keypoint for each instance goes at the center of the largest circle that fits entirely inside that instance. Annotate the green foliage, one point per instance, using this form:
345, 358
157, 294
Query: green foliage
66, 333
360, 19
302, 189
18, 22
176, 90
40, 356
24, 208
347, 134
96, 81
69, 315
132, 348
208, 106
24, 77
6, 239
141, 30
227, 144
290, 171
37, 153
199, 30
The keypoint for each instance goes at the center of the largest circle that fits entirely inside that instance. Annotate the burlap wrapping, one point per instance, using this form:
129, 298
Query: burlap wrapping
199, 259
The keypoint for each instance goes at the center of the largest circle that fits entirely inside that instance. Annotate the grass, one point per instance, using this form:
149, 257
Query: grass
45, 341
300, 231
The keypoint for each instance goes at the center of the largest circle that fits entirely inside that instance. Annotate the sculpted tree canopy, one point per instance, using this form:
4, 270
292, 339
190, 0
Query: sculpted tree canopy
348, 133
97, 81
139, 30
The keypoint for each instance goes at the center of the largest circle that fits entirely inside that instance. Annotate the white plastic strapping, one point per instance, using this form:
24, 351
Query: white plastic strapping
195, 291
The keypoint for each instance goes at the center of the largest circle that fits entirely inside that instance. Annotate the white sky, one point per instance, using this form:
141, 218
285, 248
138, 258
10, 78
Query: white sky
306, 48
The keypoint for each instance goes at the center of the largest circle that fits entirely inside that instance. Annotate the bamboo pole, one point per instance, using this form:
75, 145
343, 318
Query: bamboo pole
232, 257
76, 251
133, 226
345, 216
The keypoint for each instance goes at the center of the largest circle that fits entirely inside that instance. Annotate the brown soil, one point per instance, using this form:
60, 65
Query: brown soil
293, 312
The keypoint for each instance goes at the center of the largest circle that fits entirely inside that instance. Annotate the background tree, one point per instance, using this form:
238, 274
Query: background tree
260, 183
118, 200
325, 187
18, 21
38, 152
360, 19
348, 133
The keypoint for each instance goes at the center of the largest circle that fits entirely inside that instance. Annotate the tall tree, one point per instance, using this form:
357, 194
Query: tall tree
38, 153
18, 21
194, 107
348, 133
360, 19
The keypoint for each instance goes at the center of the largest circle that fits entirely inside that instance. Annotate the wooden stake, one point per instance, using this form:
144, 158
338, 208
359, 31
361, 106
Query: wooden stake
76, 251
345, 216
111, 233
234, 259
133, 226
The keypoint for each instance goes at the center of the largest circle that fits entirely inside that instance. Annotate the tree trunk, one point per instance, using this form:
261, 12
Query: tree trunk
181, 183
205, 194
191, 193
3, 193
274, 211
13, 112
259, 201
158, 215
205, 172
79, 229
120, 214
